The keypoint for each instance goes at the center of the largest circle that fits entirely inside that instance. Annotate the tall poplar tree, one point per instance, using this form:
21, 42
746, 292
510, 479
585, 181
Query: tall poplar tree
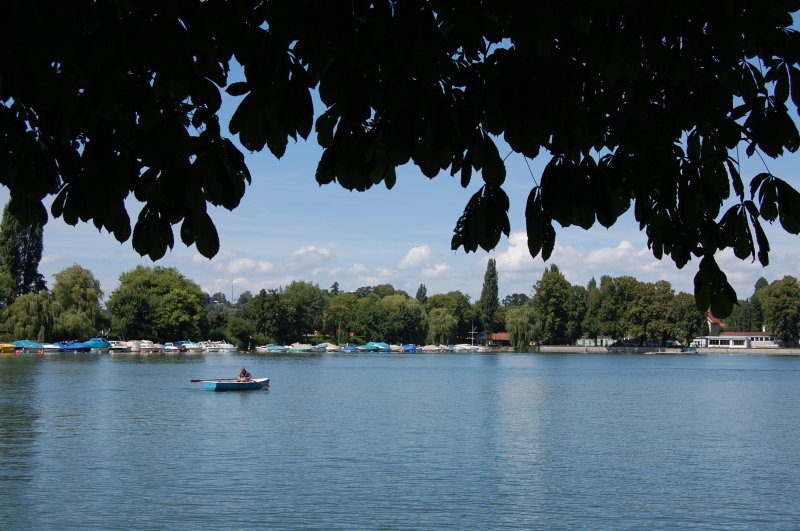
20, 254
422, 294
490, 299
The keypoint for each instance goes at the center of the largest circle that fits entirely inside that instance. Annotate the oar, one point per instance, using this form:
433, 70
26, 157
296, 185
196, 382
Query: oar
212, 380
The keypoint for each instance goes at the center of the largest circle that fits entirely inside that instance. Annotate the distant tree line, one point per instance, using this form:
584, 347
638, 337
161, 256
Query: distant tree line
160, 303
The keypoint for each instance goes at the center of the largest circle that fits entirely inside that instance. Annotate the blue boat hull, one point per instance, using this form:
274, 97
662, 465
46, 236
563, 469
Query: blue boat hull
233, 385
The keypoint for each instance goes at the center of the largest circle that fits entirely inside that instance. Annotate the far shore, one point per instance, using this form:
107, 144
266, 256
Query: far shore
670, 350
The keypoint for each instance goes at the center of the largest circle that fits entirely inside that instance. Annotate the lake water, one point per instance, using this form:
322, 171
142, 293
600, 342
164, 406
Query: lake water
401, 441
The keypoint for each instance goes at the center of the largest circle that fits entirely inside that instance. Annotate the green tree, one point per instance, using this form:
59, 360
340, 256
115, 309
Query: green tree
309, 302
384, 290
515, 299
459, 307
660, 321
244, 298
591, 324
614, 316
30, 316
337, 316
76, 304
219, 298
20, 254
369, 319
442, 326
157, 303
660, 129
273, 316
490, 298
688, 320
523, 326
757, 321
240, 330
552, 303
422, 294
406, 319
782, 308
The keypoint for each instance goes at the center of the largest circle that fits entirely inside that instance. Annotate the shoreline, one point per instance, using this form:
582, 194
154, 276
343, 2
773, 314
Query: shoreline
555, 349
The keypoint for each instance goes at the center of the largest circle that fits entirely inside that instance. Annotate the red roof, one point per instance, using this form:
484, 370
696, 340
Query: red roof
714, 320
501, 336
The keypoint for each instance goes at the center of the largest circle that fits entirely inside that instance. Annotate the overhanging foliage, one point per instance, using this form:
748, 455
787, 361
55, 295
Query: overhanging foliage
635, 104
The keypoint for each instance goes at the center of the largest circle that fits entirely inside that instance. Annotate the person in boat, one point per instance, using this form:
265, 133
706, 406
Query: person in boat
244, 376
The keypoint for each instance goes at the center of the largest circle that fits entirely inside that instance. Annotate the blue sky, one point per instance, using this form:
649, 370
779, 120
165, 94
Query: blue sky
289, 228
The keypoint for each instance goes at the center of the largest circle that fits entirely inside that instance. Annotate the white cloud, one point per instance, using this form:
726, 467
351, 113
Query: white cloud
248, 265
516, 257
309, 256
51, 259
437, 271
416, 257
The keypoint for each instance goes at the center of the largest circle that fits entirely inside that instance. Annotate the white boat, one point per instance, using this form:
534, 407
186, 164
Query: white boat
271, 349
465, 347
134, 346
189, 346
171, 348
217, 346
51, 347
119, 346
224, 346
145, 345
304, 348
208, 346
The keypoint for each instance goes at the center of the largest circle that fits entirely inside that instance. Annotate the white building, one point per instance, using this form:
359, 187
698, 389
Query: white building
737, 340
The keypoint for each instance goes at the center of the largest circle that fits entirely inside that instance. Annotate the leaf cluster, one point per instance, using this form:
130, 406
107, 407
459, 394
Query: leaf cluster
634, 104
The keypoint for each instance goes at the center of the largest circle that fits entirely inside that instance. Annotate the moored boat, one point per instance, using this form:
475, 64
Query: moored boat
272, 349
189, 346
8, 348
224, 346
380, 346
431, 348
51, 347
25, 345
304, 348
465, 347
146, 346
75, 346
119, 347
209, 346
98, 344
368, 347
171, 348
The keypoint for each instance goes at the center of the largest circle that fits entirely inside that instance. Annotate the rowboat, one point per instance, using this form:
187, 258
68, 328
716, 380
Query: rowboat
232, 384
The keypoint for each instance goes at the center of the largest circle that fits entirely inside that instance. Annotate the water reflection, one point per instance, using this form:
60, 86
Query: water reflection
18, 417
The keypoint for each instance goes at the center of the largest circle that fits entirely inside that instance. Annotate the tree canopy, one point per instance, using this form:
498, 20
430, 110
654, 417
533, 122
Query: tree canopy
20, 254
158, 303
634, 105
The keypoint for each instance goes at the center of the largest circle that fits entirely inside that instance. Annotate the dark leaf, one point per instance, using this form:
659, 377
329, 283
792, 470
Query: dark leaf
712, 290
238, 89
494, 170
736, 179
207, 239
